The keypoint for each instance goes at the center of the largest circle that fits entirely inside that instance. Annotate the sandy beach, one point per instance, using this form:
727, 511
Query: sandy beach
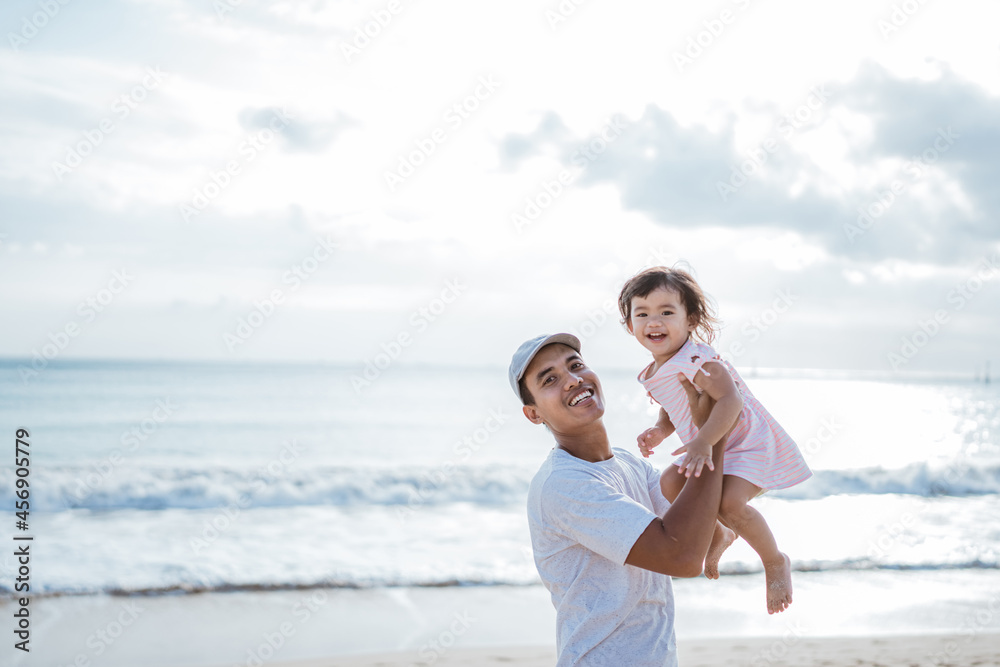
904, 651
924, 619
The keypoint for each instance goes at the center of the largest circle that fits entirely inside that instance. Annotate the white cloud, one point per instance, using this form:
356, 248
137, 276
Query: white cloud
650, 198
786, 251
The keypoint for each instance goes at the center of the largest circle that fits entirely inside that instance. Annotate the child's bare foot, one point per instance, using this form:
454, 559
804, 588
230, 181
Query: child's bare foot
779, 584
721, 541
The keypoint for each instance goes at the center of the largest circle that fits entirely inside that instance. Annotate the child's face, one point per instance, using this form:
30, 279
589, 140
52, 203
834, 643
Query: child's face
660, 323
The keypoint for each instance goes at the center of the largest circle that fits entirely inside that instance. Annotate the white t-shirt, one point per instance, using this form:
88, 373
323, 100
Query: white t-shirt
584, 519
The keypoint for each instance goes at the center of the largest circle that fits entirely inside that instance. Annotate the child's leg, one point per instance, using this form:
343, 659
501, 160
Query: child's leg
671, 483
750, 525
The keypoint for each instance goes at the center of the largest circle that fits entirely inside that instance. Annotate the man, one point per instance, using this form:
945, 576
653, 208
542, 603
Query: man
605, 539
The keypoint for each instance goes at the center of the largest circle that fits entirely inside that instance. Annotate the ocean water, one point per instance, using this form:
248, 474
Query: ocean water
160, 478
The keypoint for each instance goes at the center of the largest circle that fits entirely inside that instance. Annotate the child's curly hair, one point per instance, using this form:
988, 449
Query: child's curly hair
697, 304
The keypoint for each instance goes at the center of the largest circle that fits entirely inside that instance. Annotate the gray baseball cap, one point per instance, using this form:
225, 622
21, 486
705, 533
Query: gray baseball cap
522, 358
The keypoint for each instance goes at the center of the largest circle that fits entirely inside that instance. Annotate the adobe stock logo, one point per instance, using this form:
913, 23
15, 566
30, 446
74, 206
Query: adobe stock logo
220, 179
122, 108
958, 297
915, 168
456, 115
420, 320
49, 9
265, 308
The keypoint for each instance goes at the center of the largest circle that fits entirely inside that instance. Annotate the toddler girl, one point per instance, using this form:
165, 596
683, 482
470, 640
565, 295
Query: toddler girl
667, 312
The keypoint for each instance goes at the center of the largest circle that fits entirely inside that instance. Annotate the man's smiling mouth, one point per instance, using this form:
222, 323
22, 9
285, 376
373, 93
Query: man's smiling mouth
582, 396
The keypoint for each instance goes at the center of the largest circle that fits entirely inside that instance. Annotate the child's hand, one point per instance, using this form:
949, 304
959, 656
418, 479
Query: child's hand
698, 456
650, 438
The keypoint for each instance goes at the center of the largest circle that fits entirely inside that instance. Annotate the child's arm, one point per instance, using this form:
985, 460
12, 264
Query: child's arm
651, 437
728, 405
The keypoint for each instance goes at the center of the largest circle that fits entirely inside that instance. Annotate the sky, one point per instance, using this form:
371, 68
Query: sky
434, 181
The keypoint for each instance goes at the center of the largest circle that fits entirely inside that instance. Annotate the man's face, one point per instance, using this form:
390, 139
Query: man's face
567, 393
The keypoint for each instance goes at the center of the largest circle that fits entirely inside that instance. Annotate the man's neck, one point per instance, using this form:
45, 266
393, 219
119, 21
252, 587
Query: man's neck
590, 445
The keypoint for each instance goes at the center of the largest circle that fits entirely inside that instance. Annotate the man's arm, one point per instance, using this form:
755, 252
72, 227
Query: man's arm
676, 544
726, 411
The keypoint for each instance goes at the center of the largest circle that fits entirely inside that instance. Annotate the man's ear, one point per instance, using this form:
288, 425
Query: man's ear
532, 414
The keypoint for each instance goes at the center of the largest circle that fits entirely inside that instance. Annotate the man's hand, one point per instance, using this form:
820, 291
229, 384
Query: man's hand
698, 456
700, 402
650, 438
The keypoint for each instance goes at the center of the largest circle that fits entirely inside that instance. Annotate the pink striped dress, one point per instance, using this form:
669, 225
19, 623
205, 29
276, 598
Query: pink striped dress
758, 449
